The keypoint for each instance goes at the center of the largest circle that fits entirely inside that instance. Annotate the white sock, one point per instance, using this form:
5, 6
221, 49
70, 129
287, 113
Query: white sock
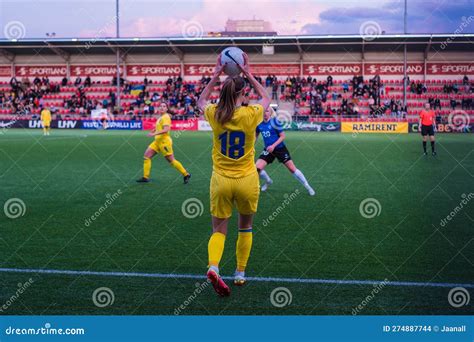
265, 176
301, 178
214, 268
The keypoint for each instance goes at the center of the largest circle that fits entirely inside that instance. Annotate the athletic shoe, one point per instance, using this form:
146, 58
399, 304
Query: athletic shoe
433, 153
143, 180
311, 191
187, 178
239, 278
265, 186
219, 286
425, 154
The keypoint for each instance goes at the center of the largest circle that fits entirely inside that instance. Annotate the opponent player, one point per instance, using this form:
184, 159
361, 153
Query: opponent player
234, 178
46, 120
426, 126
162, 144
273, 137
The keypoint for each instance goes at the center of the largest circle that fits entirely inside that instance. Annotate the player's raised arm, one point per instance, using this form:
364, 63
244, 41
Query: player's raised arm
266, 100
206, 93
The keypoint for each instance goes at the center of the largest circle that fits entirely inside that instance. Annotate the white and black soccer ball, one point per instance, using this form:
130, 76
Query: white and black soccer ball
230, 57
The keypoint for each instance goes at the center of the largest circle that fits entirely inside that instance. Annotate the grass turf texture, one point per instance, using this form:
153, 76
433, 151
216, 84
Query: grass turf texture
65, 178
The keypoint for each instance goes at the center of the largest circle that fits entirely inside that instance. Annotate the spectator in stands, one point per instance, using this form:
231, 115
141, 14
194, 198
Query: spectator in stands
64, 81
274, 91
329, 81
78, 81
453, 103
87, 82
465, 80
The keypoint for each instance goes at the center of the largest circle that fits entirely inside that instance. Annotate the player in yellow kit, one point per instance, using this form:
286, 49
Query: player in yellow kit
234, 180
46, 120
162, 144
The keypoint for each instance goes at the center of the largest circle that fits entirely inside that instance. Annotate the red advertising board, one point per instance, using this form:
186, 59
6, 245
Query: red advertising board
450, 68
198, 69
154, 70
94, 70
258, 69
176, 125
338, 69
5, 71
41, 71
393, 68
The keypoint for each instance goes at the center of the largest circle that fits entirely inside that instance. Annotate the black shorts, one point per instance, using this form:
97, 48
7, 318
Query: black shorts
427, 130
282, 154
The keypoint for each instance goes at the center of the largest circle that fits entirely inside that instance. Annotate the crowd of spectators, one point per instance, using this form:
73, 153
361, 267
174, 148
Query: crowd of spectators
322, 97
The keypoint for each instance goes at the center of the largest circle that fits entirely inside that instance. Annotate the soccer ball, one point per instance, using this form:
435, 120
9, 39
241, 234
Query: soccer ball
231, 56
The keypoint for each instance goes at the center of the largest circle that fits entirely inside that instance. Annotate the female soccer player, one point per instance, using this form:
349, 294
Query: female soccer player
273, 137
426, 126
162, 144
234, 177
46, 120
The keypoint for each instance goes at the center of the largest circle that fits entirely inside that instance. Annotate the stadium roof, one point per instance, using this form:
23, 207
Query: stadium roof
282, 44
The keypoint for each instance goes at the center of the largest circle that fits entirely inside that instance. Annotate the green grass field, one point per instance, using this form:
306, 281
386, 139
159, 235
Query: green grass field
65, 178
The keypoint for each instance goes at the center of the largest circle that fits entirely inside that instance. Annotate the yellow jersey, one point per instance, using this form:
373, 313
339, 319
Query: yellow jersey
46, 115
233, 149
164, 120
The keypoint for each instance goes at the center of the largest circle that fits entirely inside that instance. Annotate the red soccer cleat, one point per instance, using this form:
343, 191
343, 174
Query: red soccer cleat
219, 286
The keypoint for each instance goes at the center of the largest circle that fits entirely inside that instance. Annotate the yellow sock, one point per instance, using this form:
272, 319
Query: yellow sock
178, 166
244, 245
44, 130
146, 167
215, 248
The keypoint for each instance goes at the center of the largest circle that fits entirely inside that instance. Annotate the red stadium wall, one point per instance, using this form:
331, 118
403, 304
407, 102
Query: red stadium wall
136, 67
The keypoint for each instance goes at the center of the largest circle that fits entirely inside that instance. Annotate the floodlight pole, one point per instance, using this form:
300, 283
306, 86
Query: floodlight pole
117, 22
405, 83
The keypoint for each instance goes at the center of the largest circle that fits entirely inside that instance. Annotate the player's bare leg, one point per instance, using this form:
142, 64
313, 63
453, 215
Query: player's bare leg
215, 250
147, 156
299, 176
260, 165
243, 248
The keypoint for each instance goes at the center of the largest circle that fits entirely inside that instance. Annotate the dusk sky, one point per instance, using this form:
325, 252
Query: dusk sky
159, 18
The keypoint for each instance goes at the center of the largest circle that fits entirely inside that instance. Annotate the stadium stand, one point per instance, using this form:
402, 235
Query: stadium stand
311, 95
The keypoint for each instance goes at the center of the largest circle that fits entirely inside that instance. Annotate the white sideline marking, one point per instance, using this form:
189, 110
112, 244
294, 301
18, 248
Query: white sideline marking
262, 279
